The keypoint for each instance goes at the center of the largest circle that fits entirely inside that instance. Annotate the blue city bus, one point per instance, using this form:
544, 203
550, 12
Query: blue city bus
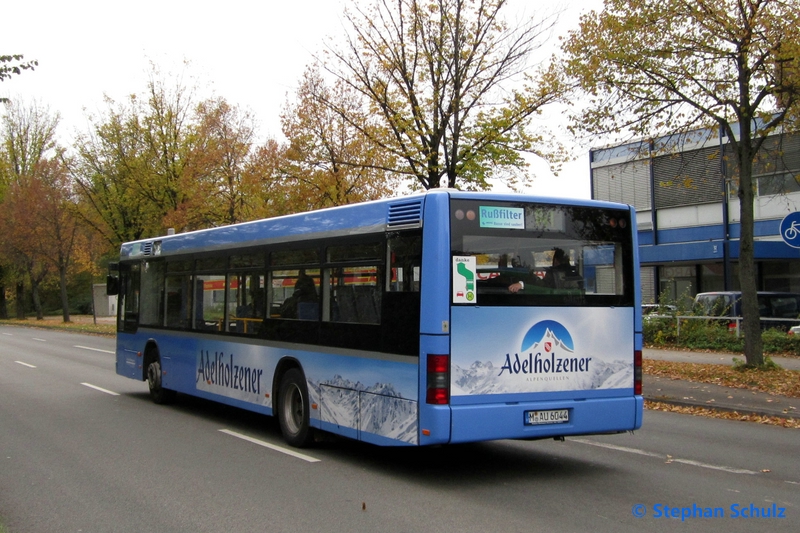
442, 317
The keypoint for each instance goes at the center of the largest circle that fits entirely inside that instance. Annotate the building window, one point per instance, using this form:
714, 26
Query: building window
627, 183
688, 178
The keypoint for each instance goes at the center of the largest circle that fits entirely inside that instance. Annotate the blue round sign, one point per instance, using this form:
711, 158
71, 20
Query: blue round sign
790, 229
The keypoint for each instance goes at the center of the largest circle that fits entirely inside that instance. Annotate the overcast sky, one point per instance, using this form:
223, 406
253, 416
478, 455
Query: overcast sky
251, 52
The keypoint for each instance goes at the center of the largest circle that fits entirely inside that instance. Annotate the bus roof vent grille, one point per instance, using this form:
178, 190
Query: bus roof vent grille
147, 248
405, 214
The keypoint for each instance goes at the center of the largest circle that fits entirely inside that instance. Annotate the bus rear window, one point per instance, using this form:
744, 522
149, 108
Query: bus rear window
538, 254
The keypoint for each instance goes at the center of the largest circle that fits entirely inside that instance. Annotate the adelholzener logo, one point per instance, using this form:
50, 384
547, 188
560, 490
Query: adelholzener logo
547, 348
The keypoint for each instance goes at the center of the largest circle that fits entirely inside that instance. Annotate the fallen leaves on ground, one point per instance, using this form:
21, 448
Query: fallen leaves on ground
777, 381
78, 324
713, 413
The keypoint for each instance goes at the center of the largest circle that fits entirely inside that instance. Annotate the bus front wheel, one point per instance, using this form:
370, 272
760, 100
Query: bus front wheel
293, 409
158, 394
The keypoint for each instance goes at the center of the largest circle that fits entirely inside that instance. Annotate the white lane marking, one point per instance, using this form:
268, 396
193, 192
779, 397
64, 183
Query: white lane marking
728, 469
95, 387
95, 349
40, 340
271, 446
25, 364
9, 334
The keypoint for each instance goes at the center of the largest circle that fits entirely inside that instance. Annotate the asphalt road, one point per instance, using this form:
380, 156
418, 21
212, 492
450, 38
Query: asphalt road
82, 449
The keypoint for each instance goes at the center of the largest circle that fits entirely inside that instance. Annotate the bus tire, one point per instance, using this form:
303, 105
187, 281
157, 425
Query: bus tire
293, 409
158, 394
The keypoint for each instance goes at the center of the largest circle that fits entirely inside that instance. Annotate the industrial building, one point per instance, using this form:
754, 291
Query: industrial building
684, 190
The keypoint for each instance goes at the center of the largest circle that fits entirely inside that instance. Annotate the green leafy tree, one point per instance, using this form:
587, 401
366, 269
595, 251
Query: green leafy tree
108, 171
440, 76
650, 67
141, 168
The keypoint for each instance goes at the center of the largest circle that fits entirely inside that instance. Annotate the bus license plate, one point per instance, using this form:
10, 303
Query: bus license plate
556, 416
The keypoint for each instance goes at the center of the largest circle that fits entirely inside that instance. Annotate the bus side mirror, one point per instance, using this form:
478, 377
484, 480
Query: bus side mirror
112, 285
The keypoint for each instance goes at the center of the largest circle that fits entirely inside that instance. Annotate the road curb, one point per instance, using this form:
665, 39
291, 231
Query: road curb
723, 409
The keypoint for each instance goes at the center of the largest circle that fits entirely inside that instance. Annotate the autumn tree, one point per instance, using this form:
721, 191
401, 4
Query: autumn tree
445, 77
328, 161
48, 205
25, 233
224, 142
168, 130
270, 193
650, 67
137, 170
28, 141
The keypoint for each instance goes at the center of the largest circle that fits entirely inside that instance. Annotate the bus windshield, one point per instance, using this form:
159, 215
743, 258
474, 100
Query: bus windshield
539, 254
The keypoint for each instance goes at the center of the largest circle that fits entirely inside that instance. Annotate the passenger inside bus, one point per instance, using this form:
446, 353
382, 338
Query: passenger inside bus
560, 275
302, 303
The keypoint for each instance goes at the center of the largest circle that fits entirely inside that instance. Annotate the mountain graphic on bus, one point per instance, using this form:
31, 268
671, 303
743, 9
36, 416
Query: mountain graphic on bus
379, 409
547, 362
548, 331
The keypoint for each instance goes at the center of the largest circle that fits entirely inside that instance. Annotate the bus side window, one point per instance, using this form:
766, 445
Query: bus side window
354, 294
209, 302
245, 301
151, 311
405, 259
129, 307
302, 300
178, 300
354, 285
401, 301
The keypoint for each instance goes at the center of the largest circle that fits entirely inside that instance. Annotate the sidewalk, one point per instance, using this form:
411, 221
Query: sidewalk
687, 393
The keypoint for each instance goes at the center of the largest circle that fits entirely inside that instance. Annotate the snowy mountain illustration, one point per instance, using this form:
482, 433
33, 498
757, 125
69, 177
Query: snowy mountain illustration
377, 409
546, 363
547, 329
482, 377
551, 343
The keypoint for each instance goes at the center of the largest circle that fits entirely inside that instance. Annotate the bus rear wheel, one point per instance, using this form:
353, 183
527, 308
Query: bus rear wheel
158, 394
293, 409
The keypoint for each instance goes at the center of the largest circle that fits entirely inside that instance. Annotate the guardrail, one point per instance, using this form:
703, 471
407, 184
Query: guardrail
734, 321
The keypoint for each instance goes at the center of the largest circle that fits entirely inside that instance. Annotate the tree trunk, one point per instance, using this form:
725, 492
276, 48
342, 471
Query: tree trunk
62, 275
20, 300
3, 303
37, 301
753, 348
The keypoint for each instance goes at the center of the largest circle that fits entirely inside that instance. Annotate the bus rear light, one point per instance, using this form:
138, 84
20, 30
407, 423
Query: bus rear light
438, 364
438, 392
637, 372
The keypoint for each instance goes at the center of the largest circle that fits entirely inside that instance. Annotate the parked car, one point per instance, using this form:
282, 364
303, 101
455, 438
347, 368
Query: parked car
658, 309
770, 305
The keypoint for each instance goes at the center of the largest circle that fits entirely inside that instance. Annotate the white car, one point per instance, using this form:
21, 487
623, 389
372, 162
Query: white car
658, 309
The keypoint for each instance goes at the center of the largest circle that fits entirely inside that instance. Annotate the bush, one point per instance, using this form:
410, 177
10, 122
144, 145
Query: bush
777, 341
712, 335
659, 331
